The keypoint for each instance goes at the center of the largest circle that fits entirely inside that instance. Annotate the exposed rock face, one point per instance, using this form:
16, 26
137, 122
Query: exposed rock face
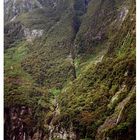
17, 120
61, 133
57, 131
15, 31
13, 8
30, 35
17, 127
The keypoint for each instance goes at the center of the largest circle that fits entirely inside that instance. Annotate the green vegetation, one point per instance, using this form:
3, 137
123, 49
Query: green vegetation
80, 72
16, 80
20, 89
55, 91
86, 100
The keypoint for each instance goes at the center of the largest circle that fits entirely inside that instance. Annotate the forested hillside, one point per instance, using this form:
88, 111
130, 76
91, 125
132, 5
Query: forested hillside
69, 70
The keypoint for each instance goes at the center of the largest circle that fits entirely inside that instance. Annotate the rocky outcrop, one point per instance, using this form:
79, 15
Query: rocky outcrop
61, 133
17, 123
13, 8
57, 131
15, 31
30, 35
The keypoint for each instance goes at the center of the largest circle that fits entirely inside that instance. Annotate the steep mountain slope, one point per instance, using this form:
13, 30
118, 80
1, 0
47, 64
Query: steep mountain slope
101, 101
70, 69
14, 8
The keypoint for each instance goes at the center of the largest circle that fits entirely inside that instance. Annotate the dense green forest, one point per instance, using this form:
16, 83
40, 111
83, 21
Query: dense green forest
69, 70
